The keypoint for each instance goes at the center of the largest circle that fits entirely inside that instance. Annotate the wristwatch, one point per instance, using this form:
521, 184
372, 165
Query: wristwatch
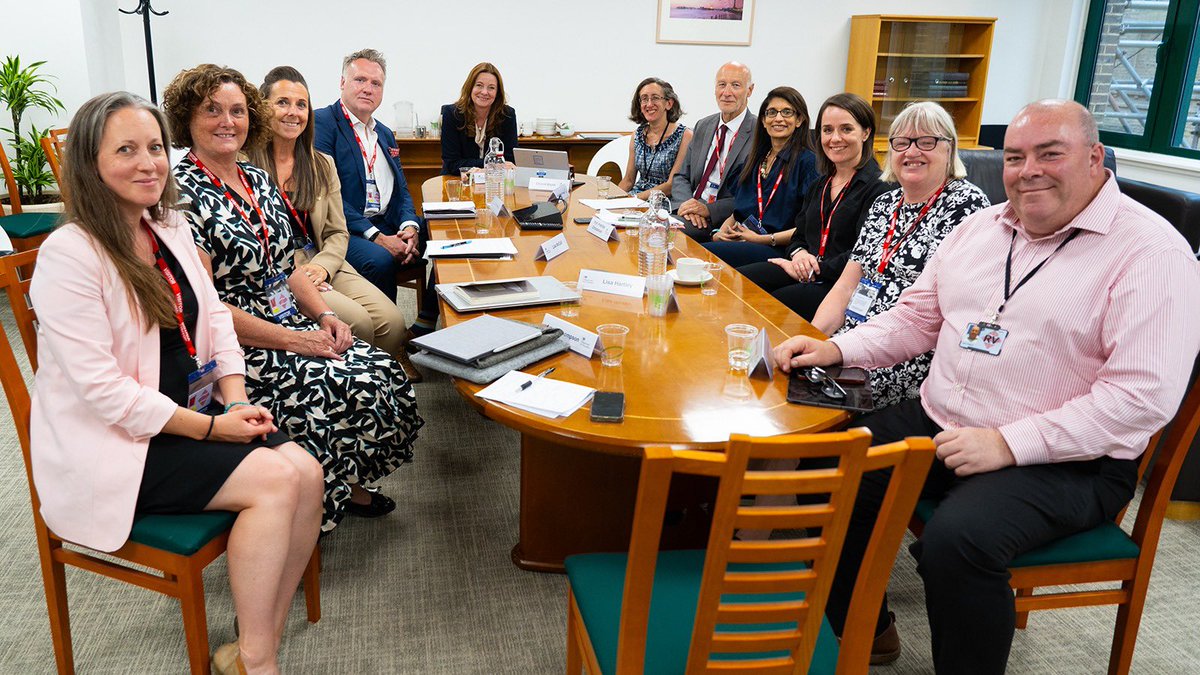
374, 235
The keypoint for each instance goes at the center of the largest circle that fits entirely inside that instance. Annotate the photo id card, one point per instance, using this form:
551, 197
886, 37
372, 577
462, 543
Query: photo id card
200, 386
864, 296
753, 223
984, 337
372, 195
279, 298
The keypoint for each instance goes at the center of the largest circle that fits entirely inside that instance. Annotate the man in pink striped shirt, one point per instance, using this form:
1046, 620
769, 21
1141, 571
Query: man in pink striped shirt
1065, 329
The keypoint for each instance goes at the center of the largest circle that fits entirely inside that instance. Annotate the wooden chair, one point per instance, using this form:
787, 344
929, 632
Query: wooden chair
753, 606
413, 276
1105, 553
53, 144
26, 230
178, 548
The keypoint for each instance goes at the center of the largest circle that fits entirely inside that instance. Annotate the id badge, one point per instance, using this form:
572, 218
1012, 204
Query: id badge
200, 386
372, 195
710, 191
753, 223
279, 298
984, 337
863, 298
310, 250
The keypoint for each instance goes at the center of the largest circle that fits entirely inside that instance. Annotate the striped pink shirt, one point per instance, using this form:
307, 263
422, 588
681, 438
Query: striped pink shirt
1101, 340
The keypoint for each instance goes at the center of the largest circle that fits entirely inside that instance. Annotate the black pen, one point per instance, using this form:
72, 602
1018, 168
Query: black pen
457, 243
529, 383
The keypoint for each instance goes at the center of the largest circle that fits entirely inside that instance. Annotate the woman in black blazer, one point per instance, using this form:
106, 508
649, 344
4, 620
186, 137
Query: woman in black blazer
479, 114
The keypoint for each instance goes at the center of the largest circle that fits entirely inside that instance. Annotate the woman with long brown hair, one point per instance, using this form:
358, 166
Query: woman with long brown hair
480, 113
309, 185
139, 357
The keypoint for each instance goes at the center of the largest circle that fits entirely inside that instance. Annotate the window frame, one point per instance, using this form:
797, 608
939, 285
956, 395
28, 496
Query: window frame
1174, 75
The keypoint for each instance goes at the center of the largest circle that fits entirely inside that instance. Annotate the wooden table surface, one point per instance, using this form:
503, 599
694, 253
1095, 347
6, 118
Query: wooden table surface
579, 478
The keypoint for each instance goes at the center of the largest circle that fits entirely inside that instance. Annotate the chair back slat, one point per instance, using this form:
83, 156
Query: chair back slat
769, 550
53, 144
14, 196
768, 580
16, 275
775, 612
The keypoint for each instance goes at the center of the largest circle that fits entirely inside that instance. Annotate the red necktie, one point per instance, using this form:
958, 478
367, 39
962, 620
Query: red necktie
712, 162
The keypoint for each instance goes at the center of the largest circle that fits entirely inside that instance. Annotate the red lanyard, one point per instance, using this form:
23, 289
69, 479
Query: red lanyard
827, 222
263, 236
889, 252
177, 303
771, 196
301, 221
362, 148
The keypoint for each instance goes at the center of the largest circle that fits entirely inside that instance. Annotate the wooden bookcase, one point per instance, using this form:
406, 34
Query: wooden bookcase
897, 59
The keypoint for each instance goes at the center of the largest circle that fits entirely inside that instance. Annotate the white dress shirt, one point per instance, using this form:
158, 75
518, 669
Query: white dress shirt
716, 176
385, 180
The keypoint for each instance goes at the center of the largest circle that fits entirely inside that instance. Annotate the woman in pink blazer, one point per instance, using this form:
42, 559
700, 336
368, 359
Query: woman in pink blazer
140, 404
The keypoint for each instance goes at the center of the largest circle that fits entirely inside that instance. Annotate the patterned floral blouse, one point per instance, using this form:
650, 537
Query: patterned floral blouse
653, 162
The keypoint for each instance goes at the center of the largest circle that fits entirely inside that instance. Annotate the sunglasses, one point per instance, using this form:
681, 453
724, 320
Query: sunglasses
827, 384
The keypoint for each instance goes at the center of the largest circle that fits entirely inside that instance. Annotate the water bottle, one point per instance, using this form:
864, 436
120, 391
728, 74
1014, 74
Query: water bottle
654, 236
493, 171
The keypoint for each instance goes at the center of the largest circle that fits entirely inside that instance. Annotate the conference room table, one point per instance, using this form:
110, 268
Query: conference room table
578, 477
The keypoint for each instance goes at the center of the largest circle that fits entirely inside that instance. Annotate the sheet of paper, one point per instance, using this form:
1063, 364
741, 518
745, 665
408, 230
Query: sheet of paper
466, 207
617, 203
465, 248
619, 219
544, 396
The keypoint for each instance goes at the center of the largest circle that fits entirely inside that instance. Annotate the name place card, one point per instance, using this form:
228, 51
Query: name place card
552, 248
612, 283
547, 184
602, 230
580, 341
762, 359
496, 206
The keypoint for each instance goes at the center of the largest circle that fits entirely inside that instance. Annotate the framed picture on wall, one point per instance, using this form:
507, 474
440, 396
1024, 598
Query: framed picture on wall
705, 22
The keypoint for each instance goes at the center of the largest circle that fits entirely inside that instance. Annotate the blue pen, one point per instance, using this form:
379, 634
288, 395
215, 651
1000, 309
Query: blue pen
457, 243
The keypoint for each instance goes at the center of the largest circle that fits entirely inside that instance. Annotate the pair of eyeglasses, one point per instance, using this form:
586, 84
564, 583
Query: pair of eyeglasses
652, 98
829, 386
902, 143
786, 113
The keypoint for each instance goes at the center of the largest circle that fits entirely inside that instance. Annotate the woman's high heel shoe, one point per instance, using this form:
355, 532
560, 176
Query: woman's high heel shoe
227, 660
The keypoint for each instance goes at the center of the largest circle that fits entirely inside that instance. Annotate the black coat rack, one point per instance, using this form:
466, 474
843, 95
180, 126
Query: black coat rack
146, 10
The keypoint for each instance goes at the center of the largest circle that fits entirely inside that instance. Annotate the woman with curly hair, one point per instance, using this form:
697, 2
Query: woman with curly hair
480, 113
343, 400
659, 144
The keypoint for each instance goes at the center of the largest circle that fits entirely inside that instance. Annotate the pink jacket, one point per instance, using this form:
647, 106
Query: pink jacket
96, 402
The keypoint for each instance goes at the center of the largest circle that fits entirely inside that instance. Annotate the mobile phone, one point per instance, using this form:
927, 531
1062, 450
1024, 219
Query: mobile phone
583, 221
608, 406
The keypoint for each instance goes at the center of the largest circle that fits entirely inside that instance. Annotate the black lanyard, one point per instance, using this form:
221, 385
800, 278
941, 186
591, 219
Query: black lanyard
1008, 268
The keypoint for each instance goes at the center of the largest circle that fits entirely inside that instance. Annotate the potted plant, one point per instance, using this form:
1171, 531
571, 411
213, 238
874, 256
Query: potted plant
23, 88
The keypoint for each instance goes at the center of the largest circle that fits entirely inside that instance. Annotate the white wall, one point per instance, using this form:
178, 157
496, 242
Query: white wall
575, 61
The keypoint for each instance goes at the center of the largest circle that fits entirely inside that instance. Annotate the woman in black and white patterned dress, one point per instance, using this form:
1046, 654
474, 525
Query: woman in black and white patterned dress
345, 401
902, 230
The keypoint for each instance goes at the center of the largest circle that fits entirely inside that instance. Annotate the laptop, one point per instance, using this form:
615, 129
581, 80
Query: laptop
468, 341
540, 164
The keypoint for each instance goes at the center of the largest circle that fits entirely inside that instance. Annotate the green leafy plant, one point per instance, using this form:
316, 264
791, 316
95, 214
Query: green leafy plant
23, 88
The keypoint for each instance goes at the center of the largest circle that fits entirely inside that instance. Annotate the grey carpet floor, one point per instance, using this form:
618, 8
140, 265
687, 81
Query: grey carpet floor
430, 588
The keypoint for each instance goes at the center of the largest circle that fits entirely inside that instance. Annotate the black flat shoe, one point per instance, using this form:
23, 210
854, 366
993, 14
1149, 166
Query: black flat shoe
379, 506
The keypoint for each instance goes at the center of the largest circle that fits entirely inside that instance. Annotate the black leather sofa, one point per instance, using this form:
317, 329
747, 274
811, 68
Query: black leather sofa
1178, 207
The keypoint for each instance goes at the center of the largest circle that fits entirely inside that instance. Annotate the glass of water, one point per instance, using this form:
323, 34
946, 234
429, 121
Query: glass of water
741, 341
603, 184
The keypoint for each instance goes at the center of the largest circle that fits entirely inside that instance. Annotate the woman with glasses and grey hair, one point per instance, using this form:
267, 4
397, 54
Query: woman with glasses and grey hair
902, 230
660, 142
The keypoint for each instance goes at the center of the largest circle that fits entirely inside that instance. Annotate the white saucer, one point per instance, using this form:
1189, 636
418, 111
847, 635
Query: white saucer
675, 278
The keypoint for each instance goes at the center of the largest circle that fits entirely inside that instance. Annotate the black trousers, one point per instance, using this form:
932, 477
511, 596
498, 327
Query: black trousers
982, 523
803, 299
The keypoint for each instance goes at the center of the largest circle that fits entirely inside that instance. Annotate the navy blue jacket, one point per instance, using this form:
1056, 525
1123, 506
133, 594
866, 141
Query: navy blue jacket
334, 137
789, 198
458, 146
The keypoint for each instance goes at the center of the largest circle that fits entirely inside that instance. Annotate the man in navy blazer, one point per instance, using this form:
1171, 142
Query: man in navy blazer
386, 232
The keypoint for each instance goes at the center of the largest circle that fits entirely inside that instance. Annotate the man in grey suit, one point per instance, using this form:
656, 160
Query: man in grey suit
704, 187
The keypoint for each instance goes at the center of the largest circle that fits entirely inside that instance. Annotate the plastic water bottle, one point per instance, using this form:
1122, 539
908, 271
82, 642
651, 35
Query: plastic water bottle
493, 171
654, 236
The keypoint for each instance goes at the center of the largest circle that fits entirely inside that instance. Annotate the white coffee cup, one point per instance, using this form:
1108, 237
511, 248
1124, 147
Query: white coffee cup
690, 269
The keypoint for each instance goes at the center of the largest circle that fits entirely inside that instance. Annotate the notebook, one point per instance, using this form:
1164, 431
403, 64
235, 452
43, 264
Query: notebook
468, 341
549, 290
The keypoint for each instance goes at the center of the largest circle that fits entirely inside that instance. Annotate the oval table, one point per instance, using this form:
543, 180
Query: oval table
578, 477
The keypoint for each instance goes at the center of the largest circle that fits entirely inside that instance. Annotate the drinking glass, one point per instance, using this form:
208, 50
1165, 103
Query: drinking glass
741, 339
612, 343
454, 190
570, 306
710, 284
603, 183
658, 290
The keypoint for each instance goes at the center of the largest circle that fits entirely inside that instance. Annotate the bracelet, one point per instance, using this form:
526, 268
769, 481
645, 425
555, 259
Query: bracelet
326, 313
231, 406
772, 238
211, 421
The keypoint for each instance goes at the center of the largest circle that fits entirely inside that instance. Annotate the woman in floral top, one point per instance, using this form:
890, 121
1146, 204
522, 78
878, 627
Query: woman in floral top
660, 142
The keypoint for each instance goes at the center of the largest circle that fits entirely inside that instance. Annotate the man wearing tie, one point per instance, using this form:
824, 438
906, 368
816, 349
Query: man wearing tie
387, 234
703, 189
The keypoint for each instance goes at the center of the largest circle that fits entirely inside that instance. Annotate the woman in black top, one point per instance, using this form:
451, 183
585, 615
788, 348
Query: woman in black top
479, 113
834, 209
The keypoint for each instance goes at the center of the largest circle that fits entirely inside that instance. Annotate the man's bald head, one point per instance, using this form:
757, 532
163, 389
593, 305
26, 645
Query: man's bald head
1083, 119
734, 86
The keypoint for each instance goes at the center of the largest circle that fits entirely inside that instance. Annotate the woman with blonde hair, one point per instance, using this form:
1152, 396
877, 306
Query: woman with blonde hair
139, 356
480, 113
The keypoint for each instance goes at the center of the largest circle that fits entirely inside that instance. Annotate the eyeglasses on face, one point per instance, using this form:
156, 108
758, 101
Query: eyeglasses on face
651, 98
786, 113
828, 385
902, 143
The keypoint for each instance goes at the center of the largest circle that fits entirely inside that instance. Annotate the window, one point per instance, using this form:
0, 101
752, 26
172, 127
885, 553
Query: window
1139, 74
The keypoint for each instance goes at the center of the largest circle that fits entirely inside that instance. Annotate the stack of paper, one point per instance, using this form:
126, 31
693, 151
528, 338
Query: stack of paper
501, 248
615, 203
545, 397
448, 210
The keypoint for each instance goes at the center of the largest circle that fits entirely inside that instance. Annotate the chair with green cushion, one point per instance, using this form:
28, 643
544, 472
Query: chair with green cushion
755, 606
27, 230
1105, 553
177, 548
